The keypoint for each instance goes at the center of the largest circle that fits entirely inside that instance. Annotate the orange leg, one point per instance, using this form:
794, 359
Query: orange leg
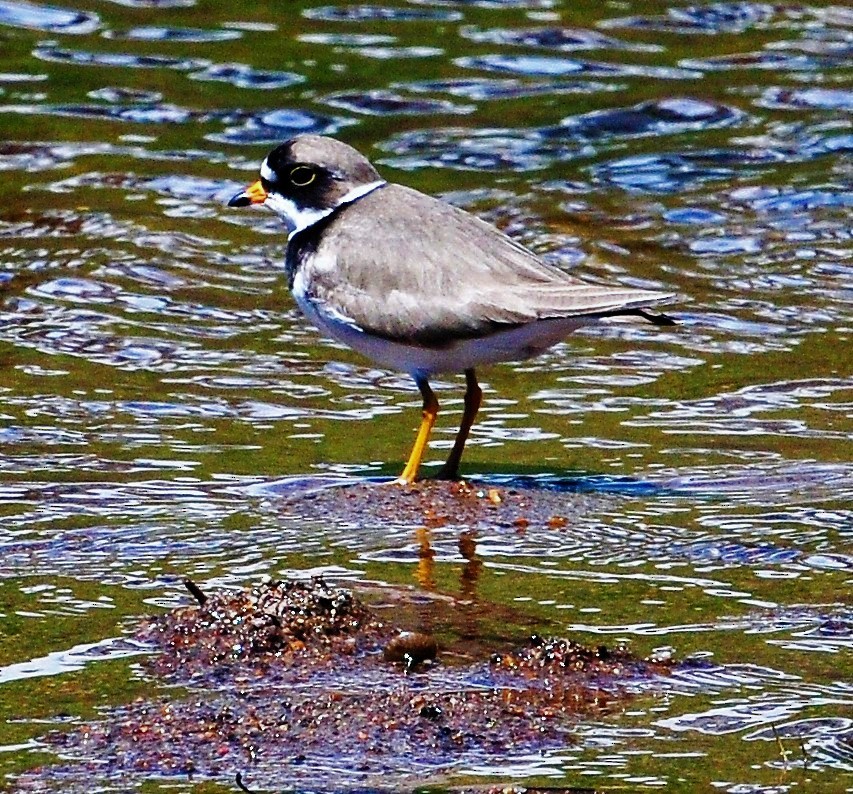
410, 473
473, 400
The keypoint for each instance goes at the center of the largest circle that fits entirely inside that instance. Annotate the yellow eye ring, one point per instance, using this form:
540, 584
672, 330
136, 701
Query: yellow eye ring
302, 176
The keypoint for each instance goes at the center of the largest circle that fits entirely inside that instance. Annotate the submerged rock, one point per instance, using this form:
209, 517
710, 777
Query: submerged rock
411, 648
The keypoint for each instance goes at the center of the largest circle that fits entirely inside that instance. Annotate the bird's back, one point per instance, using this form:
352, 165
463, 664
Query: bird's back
453, 274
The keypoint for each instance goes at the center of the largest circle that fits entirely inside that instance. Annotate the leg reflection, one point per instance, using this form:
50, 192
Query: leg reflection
470, 575
426, 559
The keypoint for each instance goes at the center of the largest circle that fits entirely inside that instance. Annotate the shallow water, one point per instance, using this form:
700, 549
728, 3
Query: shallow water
162, 401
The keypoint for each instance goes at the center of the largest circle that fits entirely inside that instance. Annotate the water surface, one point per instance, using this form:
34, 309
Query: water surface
161, 396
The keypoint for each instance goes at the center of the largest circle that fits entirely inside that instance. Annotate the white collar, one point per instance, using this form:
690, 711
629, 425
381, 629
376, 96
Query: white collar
300, 219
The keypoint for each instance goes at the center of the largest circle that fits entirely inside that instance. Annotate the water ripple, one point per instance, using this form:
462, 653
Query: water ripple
807, 98
55, 54
550, 66
52, 19
387, 103
464, 149
72, 659
677, 171
759, 710
710, 18
493, 4
169, 34
272, 127
243, 76
657, 117
347, 39
492, 89
392, 53
772, 483
769, 60
372, 13
142, 113
159, 4
562, 39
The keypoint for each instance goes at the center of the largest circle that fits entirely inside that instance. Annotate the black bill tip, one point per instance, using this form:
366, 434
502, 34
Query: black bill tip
240, 200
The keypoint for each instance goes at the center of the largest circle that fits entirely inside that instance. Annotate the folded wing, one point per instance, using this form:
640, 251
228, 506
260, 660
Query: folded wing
454, 277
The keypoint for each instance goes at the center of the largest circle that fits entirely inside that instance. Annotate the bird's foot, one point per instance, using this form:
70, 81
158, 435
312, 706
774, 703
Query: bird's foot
399, 482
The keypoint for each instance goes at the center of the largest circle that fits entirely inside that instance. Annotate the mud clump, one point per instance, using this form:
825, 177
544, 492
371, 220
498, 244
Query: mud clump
566, 657
435, 503
292, 679
276, 623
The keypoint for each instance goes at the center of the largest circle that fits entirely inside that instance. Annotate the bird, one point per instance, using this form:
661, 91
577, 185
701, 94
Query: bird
417, 284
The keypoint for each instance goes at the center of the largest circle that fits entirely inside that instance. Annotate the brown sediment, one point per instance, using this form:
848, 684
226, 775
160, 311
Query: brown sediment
437, 503
293, 678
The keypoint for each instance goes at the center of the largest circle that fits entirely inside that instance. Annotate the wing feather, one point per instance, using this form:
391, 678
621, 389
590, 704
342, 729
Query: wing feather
452, 277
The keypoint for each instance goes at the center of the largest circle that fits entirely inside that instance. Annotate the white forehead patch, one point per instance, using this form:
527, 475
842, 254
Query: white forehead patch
267, 172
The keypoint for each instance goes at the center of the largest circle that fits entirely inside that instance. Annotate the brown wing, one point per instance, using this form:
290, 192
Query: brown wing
451, 275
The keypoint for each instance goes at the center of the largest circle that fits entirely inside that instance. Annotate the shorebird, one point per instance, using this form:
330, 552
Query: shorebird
417, 284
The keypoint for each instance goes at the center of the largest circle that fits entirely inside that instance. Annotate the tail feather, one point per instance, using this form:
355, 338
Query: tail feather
655, 318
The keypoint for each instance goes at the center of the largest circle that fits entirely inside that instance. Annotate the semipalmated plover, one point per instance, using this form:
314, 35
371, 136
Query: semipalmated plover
417, 284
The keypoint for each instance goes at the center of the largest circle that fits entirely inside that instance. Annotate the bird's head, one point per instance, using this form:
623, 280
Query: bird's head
306, 178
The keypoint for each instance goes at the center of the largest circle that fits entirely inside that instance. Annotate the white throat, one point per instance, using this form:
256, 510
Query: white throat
300, 218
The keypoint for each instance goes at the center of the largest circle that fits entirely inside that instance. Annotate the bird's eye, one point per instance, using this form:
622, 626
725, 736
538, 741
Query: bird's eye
302, 176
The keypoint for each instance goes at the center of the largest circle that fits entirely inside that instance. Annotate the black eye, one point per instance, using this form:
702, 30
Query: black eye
302, 176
